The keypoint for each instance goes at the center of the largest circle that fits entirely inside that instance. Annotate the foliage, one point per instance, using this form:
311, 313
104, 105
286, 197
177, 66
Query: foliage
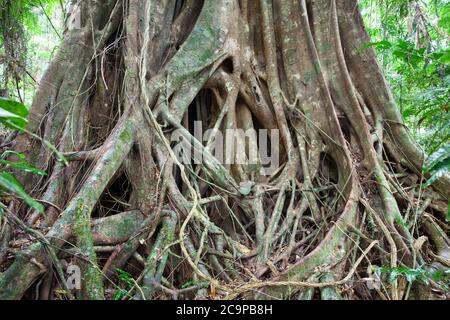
276, 213
127, 279
438, 164
8, 182
441, 277
24, 12
411, 40
13, 115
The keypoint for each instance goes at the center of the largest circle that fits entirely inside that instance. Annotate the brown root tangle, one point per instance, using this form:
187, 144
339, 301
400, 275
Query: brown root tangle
346, 198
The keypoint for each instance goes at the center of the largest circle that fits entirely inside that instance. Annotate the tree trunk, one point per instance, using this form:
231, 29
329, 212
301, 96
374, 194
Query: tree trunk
133, 76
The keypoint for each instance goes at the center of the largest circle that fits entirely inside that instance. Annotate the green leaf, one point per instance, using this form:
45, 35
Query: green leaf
438, 171
126, 277
393, 276
409, 112
188, 284
444, 21
8, 182
119, 294
24, 166
381, 45
245, 188
13, 114
18, 154
437, 164
411, 277
448, 213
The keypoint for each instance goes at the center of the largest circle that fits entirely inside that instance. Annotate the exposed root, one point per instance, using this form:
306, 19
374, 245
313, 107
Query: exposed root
186, 224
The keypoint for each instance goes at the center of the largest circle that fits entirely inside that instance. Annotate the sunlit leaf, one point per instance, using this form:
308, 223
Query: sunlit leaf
439, 156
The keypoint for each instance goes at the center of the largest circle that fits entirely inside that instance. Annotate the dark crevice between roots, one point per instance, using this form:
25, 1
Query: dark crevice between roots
115, 199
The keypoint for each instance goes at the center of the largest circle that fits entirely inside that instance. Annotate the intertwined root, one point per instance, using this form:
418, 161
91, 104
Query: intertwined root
346, 197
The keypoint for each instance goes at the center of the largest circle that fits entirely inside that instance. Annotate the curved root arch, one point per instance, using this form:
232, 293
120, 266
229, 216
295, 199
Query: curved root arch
133, 78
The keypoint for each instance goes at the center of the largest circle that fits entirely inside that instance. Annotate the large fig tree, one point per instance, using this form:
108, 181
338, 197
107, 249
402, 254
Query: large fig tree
344, 215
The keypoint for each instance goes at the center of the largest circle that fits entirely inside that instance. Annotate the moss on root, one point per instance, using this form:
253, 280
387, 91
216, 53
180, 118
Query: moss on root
92, 279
